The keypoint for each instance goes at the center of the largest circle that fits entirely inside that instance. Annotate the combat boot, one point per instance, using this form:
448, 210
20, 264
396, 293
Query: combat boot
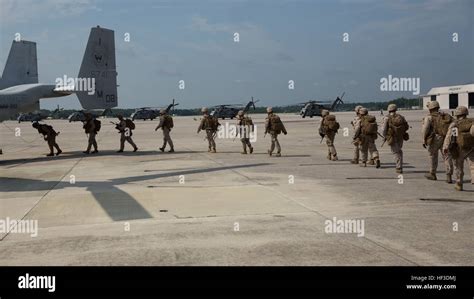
95, 151
171, 150
209, 150
50, 155
269, 153
251, 149
334, 158
213, 150
135, 149
329, 156
60, 151
449, 179
431, 176
162, 149
354, 162
458, 187
278, 155
86, 152
363, 164
371, 162
377, 163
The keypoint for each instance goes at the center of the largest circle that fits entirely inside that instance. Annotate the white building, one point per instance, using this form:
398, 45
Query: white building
450, 97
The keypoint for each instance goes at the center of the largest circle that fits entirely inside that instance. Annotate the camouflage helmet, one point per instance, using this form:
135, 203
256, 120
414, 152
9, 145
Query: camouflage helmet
204, 110
240, 113
162, 111
324, 112
392, 108
433, 105
461, 110
363, 111
35, 124
269, 110
357, 108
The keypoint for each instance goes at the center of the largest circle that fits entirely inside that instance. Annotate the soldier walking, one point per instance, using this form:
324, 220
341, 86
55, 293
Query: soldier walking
166, 124
367, 133
395, 129
245, 127
328, 129
209, 124
49, 135
434, 131
274, 126
91, 127
356, 142
125, 128
459, 142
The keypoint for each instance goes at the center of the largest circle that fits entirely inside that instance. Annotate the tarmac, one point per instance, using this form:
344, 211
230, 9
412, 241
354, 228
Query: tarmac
192, 207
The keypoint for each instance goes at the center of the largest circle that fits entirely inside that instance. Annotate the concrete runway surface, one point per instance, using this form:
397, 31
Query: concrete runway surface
192, 207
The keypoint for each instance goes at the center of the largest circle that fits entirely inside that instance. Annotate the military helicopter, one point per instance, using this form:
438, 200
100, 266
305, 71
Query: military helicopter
150, 112
314, 108
37, 115
231, 110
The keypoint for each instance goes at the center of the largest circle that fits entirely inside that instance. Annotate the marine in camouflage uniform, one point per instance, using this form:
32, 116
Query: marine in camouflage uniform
326, 132
433, 140
356, 143
91, 131
461, 126
245, 127
49, 136
165, 125
210, 132
395, 142
269, 129
125, 134
366, 141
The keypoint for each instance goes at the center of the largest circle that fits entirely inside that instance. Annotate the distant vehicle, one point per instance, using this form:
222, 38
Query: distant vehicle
150, 112
77, 116
31, 116
231, 110
37, 115
81, 115
145, 113
314, 108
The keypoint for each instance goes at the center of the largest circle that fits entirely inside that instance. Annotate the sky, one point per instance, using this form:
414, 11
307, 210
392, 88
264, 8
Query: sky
280, 40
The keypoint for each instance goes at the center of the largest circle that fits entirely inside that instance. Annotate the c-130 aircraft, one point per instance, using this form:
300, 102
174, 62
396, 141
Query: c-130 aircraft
20, 91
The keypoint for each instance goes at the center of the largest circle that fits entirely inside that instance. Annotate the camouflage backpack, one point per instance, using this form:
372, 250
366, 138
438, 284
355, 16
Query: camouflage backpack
247, 121
211, 123
168, 122
129, 124
275, 124
330, 123
97, 125
441, 122
397, 128
369, 125
465, 140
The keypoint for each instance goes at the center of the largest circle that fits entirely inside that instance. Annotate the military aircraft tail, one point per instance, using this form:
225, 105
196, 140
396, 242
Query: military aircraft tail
21, 66
98, 63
